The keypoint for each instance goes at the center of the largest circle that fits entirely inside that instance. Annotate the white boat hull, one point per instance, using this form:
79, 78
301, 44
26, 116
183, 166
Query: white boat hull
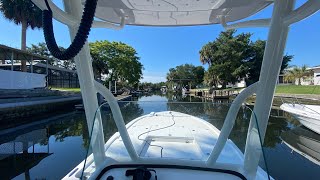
169, 138
307, 115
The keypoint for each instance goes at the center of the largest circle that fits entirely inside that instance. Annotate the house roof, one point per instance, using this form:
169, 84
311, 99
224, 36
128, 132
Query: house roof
39, 64
18, 54
55, 67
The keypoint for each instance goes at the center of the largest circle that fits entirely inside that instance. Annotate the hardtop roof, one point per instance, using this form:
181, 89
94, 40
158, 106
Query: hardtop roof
177, 12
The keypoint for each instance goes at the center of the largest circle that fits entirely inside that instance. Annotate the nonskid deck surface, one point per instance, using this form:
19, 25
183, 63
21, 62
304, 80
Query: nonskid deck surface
173, 135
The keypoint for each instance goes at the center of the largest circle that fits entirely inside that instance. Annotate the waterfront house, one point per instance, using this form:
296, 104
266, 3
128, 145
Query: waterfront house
39, 73
316, 74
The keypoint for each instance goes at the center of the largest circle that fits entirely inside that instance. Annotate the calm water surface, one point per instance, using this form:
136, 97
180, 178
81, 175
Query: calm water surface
51, 148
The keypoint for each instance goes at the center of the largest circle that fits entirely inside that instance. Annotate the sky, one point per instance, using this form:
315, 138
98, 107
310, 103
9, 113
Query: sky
161, 48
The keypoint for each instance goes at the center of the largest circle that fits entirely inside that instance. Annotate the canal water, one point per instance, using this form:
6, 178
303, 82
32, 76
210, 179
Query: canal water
50, 148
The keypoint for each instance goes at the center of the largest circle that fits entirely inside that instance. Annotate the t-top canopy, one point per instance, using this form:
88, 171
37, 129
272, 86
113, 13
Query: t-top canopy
177, 12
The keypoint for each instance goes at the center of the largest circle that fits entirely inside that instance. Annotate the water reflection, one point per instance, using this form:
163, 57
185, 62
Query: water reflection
15, 153
304, 142
28, 152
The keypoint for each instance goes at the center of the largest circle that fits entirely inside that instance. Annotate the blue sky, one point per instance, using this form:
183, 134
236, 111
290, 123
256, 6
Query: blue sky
162, 48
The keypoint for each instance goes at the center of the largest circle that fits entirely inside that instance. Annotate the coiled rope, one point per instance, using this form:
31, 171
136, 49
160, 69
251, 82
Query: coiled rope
80, 38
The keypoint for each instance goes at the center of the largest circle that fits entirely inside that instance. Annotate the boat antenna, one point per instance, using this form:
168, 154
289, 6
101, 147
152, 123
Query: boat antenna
80, 38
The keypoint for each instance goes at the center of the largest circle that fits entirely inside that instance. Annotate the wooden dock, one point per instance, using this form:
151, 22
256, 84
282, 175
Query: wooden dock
216, 94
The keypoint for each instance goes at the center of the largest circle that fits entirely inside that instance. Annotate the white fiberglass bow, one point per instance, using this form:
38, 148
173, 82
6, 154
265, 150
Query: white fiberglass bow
308, 115
117, 13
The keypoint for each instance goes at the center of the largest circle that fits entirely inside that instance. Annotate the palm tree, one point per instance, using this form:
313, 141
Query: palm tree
22, 12
298, 73
206, 53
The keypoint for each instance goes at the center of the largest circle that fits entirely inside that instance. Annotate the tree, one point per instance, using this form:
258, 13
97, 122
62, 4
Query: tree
210, 78
206, 53
186, 73
298, 73
232, 58
172, 74
226, 57
255, 61
22, 12
99, 67
42, 50
119, 60
198, 73
152, 86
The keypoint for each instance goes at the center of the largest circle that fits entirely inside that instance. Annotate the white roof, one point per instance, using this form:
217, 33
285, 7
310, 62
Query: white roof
315, 67
177, 12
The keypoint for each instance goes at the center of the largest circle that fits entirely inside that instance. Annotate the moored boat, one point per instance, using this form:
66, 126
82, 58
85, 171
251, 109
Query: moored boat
307, 115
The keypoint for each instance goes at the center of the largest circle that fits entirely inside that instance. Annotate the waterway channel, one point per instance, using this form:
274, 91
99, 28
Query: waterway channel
50, 148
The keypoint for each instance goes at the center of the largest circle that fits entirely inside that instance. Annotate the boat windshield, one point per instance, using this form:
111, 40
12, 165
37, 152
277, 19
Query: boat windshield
195, 142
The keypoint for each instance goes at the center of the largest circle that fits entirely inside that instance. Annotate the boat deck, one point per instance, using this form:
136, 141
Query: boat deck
168, 138
172, 135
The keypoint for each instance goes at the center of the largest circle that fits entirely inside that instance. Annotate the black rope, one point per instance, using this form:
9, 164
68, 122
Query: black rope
80, 38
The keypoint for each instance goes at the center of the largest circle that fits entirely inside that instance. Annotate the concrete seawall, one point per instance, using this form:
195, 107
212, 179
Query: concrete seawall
29, 110
300, 96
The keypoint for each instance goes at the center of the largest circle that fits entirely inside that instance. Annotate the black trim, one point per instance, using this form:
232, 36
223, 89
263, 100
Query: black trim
104, 170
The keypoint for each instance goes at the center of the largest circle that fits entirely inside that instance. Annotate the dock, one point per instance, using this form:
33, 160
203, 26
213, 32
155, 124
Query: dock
216, 94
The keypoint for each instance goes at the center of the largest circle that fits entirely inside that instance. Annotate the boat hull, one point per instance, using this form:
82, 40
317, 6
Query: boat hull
312, 124
307, 115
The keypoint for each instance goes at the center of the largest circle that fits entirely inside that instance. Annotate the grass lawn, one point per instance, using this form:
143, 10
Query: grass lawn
295, 89
67, 89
